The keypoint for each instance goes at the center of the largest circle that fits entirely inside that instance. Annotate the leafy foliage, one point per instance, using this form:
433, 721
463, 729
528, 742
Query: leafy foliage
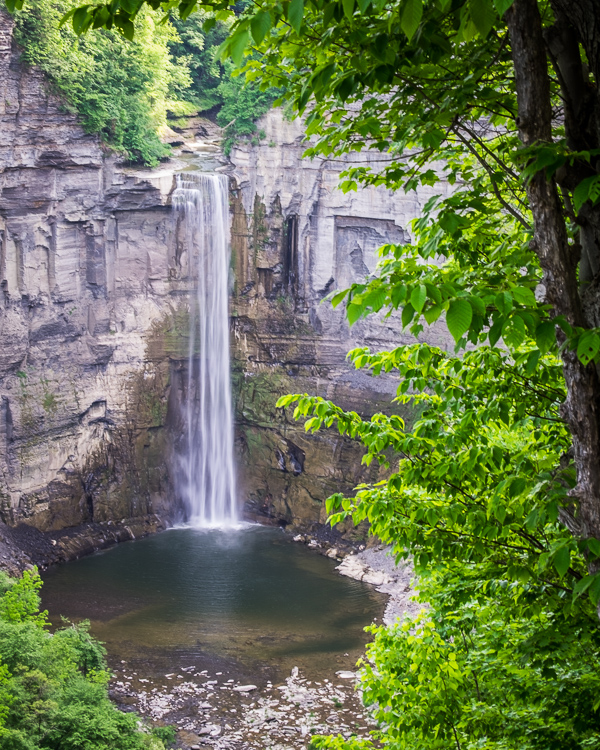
479, 478
197, 49
124, 90
119, 88
53, 686
477, 671
242, 104
216, 84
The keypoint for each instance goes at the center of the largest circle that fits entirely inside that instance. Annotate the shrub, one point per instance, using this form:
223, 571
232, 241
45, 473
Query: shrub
53, 693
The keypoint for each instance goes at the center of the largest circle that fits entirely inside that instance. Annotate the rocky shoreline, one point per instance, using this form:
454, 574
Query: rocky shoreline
23, 546
216, 710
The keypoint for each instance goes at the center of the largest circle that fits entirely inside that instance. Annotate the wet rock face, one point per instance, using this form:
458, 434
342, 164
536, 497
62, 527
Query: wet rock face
296, 238
90, 307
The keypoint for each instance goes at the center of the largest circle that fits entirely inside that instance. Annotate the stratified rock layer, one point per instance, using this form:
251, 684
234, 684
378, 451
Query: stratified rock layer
296, 238
91, 312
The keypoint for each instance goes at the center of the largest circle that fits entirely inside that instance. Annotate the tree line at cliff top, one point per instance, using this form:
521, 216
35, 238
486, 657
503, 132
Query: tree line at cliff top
494, 488
129, 92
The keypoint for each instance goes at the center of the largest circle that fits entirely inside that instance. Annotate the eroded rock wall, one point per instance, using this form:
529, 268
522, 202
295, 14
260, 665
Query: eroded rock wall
94, 306
297, 237
92, 301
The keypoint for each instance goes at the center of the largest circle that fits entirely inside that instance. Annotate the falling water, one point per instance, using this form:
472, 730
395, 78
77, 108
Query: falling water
208, 473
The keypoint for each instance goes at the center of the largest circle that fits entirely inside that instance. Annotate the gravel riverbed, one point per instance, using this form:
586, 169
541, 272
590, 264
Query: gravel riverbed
221, 708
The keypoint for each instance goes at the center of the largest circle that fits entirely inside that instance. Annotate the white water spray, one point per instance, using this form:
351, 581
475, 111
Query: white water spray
208, 471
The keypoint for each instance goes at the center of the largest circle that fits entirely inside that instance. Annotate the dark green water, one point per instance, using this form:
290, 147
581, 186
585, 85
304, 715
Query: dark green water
249, 597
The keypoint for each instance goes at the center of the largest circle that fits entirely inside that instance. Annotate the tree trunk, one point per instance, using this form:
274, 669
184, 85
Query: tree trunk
557, 257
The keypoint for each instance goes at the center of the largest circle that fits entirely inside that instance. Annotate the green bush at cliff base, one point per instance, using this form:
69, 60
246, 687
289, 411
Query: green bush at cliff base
119, 88
53, 687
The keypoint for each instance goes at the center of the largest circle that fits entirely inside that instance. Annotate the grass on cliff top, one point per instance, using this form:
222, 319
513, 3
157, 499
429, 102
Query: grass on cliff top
53, 687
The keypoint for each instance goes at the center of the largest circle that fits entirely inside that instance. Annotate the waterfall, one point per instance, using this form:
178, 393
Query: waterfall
207, 468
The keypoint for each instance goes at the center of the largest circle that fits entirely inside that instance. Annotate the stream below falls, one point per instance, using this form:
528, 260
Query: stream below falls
189, 614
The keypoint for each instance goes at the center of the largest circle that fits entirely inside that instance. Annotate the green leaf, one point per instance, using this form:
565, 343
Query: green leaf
127, 28
186, 8
561, 560
411, 17
348, 6
483, 15
495, 332
353, 312
434, 293
588, 189
260, 25
345, 87
295, 14
532, 361
131, 6
513, 331
418, 297
408, 313
504, 302
583, 585
594, 546
524, 296
594, 590
545, 336
339, 297
478, 305
588, 346
459, 317
81, 18
238, 44
432, 314
517, 486
101, 17
398, 294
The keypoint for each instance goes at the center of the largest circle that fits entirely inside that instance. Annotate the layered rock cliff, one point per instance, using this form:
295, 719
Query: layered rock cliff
94, 301
91, 296
296, 237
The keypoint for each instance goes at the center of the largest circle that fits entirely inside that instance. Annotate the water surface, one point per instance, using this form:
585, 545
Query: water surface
250, 597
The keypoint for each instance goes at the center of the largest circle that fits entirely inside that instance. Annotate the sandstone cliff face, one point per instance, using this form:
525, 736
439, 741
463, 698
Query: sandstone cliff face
90, 299
296, 237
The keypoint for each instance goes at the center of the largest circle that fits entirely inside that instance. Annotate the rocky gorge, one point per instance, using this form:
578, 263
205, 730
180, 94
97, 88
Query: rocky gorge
95, 305
96, 283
